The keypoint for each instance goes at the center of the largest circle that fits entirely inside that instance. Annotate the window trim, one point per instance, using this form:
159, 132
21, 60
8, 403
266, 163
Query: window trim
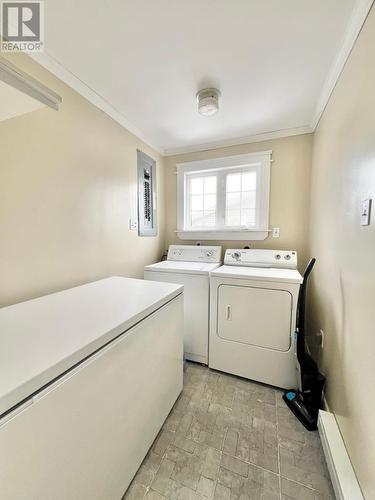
237, 163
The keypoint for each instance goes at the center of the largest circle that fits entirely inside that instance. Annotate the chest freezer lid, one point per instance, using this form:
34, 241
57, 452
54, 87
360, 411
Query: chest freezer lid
171, 266
42, 338
270, 274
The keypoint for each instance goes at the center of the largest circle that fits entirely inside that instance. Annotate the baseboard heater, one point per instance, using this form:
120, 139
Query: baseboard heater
344, 480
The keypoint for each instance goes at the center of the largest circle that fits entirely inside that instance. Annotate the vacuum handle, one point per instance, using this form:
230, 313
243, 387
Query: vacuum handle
308, 269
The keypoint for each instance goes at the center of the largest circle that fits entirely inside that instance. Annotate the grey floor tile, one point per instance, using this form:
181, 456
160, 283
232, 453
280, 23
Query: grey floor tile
266, 458
144, 476
294, 491
234, 465
188, 494
206, 487
184, 443
173, 421
222, 492
211, 465
162, 442
188, 470
225, 439
259, 484
177, 455
267, 481
213, 439
153, 495
152, 461
230, 442
173, 489
162, 476
230, 479
312, 472
135, 492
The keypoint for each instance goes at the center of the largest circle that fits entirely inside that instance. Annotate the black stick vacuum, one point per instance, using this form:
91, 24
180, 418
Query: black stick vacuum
306, 400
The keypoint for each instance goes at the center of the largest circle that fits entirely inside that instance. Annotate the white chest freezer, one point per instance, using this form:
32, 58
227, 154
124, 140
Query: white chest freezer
87, 378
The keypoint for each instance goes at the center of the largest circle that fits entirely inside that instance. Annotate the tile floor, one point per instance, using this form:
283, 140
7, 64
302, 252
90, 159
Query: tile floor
231, 439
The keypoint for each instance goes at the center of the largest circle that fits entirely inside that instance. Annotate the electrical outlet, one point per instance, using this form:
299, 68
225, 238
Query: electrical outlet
276, 232
133, 224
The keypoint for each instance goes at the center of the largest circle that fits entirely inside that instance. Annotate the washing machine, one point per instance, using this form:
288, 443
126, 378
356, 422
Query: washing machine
190, 265
253, 315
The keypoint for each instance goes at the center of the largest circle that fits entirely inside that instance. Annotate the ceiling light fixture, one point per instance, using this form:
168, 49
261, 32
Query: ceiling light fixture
208, 101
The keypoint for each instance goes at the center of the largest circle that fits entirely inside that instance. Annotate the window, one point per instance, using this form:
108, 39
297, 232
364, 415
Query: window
224, 198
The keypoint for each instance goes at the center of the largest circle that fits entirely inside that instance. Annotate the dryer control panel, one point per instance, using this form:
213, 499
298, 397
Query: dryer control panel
194, 253
284, 259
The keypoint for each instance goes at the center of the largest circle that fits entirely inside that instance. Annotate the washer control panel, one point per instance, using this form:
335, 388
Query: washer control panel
286, 259
194, 253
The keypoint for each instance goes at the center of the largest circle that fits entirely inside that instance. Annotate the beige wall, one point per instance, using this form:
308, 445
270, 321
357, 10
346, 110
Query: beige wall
67, 190
343, 291
290, 191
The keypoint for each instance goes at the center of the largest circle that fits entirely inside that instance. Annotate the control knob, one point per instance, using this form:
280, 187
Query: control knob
236, 255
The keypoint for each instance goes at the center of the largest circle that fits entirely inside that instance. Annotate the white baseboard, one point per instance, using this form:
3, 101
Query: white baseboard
344, 480
325, 404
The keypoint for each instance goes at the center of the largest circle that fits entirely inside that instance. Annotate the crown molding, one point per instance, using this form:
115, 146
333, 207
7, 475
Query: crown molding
357, 20
70, 79
91, 95
266, 136
353, 30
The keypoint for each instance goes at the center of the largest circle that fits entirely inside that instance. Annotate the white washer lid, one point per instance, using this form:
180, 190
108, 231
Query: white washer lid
42, 338
171, 266
259, 274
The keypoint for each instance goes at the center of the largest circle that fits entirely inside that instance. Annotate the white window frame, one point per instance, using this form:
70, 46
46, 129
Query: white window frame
260, 162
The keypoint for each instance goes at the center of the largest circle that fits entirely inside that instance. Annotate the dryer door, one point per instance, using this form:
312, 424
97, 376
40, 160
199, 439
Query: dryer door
255, 316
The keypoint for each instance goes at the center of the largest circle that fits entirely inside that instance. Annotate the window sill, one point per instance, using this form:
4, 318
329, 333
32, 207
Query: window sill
223, 235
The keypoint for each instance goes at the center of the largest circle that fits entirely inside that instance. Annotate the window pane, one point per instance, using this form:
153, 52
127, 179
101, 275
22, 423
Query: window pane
210, 202
249, 181
196, 185
203, 201
210, 184
197, 202
233, 182
203, 219
233, 218
247, 217
209, 218
233, 201
240, 207
196, 218
248, 199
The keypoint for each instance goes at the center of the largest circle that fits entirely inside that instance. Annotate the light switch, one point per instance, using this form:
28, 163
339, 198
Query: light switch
365, 212
276, 232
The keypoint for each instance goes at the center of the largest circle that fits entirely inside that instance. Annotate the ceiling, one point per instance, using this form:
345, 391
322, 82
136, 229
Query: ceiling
145, 60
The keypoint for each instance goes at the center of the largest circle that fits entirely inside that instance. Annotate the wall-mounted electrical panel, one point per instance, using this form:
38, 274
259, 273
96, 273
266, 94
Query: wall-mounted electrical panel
147, 215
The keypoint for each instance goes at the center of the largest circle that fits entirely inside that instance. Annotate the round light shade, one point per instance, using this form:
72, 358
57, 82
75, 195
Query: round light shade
208, 101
